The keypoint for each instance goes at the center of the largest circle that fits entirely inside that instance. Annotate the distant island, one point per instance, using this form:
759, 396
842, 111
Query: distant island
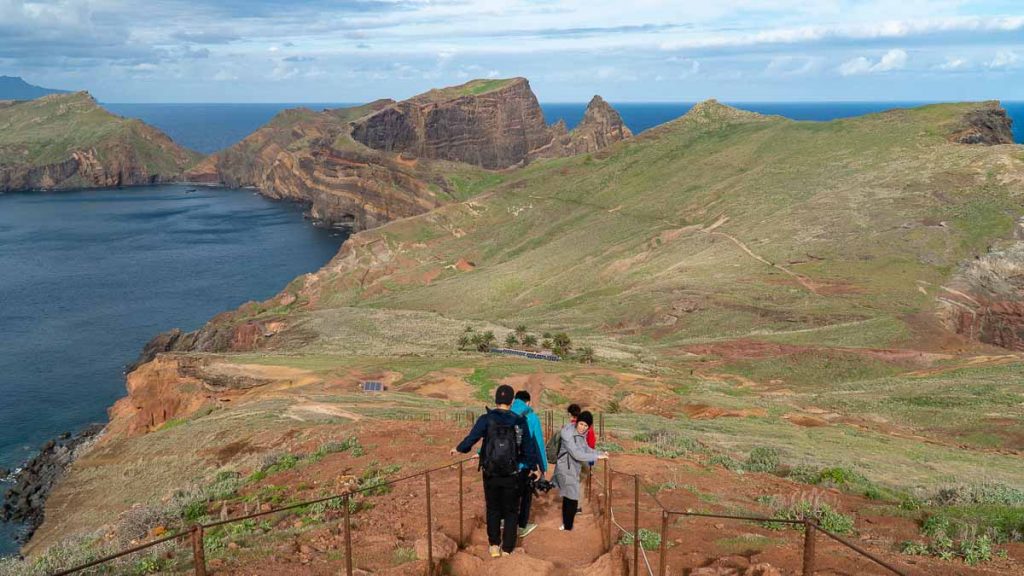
15, 88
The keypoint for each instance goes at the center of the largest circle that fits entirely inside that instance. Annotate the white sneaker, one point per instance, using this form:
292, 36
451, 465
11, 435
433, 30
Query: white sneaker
524, 532
561, 527
495, 551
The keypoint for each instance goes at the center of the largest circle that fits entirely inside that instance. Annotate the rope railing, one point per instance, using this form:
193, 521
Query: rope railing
604, 513
810, 528
196, 531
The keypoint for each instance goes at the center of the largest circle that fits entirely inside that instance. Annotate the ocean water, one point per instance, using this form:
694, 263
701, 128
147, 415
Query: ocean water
89, 277
207, 128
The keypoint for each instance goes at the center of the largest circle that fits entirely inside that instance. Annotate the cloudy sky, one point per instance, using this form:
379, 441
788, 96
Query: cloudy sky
625, 50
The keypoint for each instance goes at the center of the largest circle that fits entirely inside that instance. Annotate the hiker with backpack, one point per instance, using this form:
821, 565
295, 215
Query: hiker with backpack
572, 453
507, 449
524, 407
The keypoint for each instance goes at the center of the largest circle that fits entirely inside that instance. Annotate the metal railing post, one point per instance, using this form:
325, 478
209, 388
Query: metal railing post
808, 547
198, 553
461, 531
600, 432
663, 553
430, 532
636, 525
348, 535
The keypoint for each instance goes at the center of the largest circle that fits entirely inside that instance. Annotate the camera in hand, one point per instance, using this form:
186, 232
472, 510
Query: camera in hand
542, 485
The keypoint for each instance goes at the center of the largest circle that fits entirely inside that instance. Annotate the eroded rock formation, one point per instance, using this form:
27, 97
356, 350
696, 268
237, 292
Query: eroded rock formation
367, 165
488, 123
601, 127
988, 125
68, 141
985, 301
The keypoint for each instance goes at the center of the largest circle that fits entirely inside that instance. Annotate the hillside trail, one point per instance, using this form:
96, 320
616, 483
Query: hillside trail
546, 550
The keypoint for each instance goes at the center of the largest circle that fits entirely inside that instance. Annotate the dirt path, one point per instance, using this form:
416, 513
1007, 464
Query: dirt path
546, 551
803, 280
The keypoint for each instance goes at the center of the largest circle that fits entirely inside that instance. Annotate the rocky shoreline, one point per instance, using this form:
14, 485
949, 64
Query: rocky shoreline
24, 502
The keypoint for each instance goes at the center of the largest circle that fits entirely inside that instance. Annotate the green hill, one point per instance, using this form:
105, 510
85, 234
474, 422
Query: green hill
69, 141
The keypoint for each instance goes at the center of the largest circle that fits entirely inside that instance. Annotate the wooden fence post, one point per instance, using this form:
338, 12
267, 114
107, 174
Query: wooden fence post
198, 552
348, 535
636, 525
663, 553
608, 489
808, 547
430, 532
462, 541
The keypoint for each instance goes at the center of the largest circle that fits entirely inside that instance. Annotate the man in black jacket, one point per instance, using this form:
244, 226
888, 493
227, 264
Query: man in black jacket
501, 486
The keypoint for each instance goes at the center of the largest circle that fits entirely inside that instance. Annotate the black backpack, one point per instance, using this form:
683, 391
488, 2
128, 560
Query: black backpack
501, 449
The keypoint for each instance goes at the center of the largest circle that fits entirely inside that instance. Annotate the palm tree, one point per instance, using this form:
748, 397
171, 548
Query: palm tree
511, 341
484, 341
463, 342
562, 344
521, 331
586, 355
529, 341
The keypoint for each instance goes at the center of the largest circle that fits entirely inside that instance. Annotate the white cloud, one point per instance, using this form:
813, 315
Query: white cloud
953, 64
783, 66
1004, 59
858, 65
892, 60
687, 66
224, 76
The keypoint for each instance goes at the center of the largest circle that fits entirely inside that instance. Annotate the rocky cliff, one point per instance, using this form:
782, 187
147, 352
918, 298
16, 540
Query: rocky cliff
367, 165
985, 301
989, 124
488, 123
308, 156
601, 127
68, 141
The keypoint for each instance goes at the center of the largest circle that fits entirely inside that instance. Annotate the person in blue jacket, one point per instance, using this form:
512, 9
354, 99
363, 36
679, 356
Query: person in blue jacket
524, 408
513, 451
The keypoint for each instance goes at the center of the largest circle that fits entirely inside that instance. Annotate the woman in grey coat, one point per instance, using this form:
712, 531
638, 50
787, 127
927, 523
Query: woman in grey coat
572, 455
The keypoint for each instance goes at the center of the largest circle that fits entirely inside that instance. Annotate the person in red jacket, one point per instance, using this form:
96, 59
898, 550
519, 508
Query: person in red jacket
574, 413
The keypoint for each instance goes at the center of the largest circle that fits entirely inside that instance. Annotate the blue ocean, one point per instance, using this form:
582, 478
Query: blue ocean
89, 277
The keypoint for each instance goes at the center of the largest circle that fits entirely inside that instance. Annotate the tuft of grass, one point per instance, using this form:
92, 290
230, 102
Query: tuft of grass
762, 459
649, 539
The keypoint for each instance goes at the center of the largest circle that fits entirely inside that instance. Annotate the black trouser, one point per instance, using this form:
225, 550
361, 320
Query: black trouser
502, 496
525, 498
569, 507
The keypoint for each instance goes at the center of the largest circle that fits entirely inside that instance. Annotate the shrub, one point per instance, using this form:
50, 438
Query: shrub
404, 555
649, 539
762, 459
726, 462
511, 341
811, 508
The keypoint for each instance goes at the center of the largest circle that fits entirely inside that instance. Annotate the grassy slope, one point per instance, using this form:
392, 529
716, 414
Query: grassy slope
874, 213
44, 131
601, 243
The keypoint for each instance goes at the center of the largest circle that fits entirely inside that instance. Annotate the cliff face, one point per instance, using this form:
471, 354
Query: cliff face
988, 125
308, 157
68, 141
985, 301
488, 123
367, 165
601, 127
